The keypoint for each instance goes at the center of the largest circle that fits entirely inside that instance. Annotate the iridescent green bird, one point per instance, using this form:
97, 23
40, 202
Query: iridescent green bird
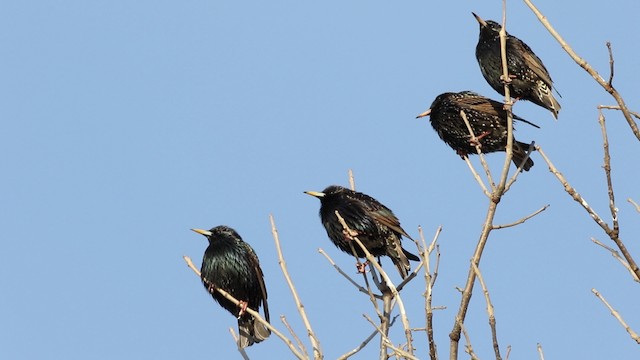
231, 264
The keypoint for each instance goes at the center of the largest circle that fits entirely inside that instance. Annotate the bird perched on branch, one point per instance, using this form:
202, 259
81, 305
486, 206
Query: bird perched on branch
372, 223
528, 78
231, 264
487, 118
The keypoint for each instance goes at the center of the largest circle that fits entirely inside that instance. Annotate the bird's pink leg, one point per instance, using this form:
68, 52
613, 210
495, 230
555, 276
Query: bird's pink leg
243, 307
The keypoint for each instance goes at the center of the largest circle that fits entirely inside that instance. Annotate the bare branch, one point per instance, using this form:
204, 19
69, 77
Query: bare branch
251, 312
430, 280
583, 63
467, 347
577, 197
387, 281
540, 351
610, 64
341, 272
315, 343
630, 200
616, 107
385, 339
518, 222
617, 256
607, 172
294, 335
241, 350
365, 341
352, 180
490, 312
485, 166
632, 333
477, 177
520, 166
507, 99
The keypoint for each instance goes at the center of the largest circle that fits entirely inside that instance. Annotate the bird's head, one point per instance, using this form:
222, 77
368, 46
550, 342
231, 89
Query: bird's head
217, 231
488, 26
329, 192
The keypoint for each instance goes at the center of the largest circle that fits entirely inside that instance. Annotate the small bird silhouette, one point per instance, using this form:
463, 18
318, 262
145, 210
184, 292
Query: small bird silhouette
529, 79
374, 224
231, 264
488, 120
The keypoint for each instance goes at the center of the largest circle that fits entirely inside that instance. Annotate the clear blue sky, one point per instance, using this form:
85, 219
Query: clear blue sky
125, 124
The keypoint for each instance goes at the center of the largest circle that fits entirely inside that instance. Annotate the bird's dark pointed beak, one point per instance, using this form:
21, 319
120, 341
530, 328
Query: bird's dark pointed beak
479, 19
315, 193
202, 232
426, 113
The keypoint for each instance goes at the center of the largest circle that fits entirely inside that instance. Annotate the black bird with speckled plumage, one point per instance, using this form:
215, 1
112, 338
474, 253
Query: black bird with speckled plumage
231, 264
530, 80
377, 227
488, 120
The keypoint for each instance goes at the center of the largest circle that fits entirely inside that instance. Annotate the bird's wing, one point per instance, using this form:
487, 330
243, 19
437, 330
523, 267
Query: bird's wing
534, 63
385, 217
486, 105
481, 104
255, 264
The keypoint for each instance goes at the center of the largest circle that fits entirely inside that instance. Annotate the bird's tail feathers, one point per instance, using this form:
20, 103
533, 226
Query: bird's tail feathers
251, 332
519, 154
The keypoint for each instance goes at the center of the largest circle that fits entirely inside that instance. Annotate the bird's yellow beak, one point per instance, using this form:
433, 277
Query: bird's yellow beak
315, 193
202, 232
480, 21
426, 113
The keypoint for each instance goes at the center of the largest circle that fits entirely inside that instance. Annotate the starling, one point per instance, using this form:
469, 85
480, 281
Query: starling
231, 265
530, 80
375, 225
487, 118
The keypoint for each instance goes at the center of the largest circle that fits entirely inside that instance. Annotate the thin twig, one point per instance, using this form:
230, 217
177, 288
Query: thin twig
388, 343
467, 292
520, 166
632, 333
490, 312
583, 64
539, 346
387, 282
607, 172
315, 343
467, 347
477, 177
617, 256
346, 276
241, 350
475, 140
430, 279
251, 312
610, 64
352, 180
616, 107
496, 227
365, 342
578, 198
294, 335
507, 100
630, 200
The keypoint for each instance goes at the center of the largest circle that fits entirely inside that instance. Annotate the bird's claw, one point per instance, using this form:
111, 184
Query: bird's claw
349, 234
362, 267
243, 308
476, 140
507, 80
